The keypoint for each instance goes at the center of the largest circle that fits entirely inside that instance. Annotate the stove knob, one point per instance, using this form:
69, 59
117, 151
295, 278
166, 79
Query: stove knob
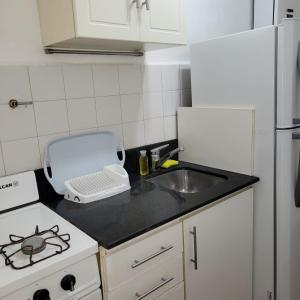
68, 283
41, 295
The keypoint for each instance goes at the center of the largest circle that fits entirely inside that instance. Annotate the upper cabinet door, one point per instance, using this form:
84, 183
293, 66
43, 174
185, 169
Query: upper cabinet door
107, 19
163, 21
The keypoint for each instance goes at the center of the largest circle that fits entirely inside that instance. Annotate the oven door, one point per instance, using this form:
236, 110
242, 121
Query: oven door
96, 295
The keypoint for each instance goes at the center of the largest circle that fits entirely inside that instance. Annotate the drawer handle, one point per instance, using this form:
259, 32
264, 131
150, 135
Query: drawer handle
161, 251
163, 282
195, 259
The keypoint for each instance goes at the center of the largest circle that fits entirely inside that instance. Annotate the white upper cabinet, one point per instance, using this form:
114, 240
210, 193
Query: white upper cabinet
163, 21
114, 19
111, 24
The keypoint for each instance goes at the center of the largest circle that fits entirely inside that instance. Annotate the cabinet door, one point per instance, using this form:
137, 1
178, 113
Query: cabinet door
218, 251
105, 19
163, 21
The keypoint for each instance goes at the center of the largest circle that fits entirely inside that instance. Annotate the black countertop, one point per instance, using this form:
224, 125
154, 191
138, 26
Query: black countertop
117, 219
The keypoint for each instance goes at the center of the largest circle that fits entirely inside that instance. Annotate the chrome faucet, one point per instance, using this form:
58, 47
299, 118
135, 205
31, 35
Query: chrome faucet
157, 161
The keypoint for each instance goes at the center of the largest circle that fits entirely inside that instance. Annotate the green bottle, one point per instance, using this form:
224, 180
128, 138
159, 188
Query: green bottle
143, 161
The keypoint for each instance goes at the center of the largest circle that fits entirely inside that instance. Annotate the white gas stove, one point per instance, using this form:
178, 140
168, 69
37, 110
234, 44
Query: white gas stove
42, 256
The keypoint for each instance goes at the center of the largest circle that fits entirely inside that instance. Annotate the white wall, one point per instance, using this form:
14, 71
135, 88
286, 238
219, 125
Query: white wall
20, 41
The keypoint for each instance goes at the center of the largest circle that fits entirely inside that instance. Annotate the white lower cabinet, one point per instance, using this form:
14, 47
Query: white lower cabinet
207, 256
218, 251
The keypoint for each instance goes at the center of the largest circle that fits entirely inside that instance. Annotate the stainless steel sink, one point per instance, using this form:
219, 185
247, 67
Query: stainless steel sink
187, 181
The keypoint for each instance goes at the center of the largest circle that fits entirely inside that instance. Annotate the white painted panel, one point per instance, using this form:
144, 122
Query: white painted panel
168, 22
106, 19
217, 137
239, 71
164, 22
109, 11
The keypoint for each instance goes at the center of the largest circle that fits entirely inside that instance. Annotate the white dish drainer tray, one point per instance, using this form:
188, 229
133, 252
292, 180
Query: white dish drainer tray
112, 180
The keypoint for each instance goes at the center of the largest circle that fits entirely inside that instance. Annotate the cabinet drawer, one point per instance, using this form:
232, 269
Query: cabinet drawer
151, 284
129, 262
176, 293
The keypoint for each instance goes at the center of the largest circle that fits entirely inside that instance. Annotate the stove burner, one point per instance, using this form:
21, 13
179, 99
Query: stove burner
33, 245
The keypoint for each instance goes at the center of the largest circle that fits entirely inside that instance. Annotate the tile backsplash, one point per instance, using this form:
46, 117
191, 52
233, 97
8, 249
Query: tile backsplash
136, 102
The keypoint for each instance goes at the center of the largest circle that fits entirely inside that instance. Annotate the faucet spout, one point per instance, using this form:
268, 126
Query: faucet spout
168, 156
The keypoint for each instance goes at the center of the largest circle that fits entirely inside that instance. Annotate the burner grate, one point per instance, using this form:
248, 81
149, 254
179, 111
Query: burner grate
34, 244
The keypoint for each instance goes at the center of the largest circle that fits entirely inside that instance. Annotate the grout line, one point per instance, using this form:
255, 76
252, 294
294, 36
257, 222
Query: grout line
65, 92
2, 158
35, 118
95, 100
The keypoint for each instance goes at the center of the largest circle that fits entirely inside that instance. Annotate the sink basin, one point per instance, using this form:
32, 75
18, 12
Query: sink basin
187, 181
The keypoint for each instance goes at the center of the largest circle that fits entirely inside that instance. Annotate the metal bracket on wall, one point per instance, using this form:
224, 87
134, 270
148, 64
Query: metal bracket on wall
93, 52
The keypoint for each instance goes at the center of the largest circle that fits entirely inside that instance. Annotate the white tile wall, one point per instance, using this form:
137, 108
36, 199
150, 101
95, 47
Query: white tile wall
14, 83
153, 105
170, 127
151, 76
153, 130
21, 155
109, 110
137, 103
16, 123
106, 80
78, 81
82, 114
130, 79
172, 100
2, 170
134, 134
47, 83
51, 117
132, 108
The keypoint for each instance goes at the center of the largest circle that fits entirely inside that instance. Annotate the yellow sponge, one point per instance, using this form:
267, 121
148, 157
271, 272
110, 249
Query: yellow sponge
170, 163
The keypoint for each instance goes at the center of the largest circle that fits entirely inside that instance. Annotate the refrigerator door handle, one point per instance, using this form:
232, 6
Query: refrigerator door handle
297, 189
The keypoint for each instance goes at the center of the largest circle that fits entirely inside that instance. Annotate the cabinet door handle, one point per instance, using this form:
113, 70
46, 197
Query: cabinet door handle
147, 4
137, 3
195, 259
163, 282
161, 251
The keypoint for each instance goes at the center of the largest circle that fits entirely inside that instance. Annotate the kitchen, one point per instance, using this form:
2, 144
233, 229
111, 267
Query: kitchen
85, 86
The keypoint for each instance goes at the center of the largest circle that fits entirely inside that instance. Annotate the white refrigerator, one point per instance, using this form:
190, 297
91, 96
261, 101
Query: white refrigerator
258, 69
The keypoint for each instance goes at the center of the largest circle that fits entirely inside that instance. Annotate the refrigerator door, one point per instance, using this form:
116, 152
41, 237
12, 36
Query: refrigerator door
288, 217
288, 79
239, 71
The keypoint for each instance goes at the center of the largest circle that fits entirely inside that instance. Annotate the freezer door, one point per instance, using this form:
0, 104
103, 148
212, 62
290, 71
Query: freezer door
288, 79
288, 218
